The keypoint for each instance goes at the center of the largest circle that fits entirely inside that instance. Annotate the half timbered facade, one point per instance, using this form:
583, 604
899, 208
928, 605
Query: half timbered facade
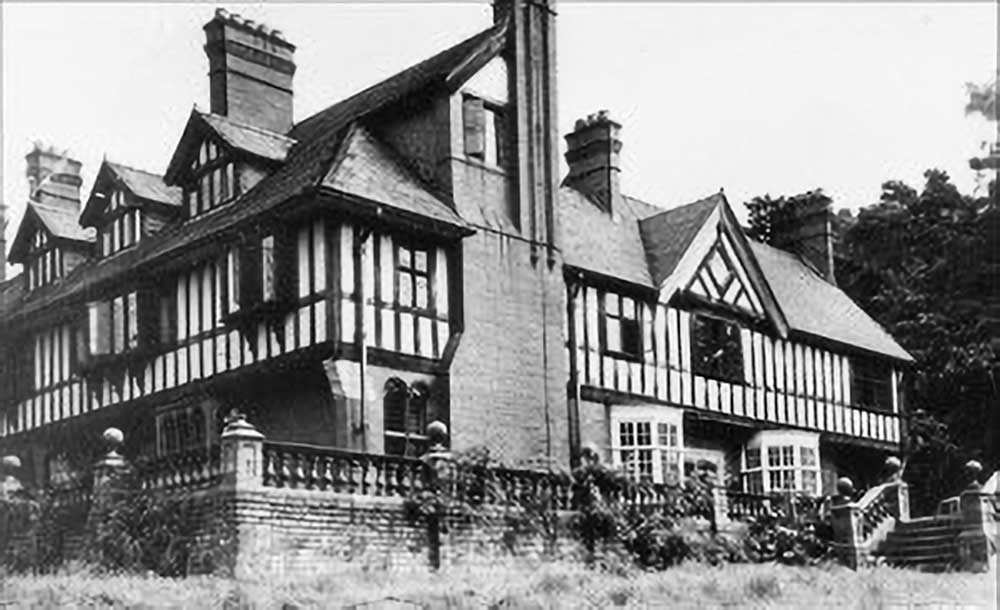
412, 254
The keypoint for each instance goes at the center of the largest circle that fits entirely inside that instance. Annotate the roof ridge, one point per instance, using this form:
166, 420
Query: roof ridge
258, 129
134, 169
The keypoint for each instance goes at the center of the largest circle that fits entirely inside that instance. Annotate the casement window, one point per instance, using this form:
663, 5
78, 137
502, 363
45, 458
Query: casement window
123, 227
405, 418
44, 262
716, 348
413, 278
781, 461
122, 323
871, 383
262, 271
622, 333
182, 430
647, 443
215, 180
484, 131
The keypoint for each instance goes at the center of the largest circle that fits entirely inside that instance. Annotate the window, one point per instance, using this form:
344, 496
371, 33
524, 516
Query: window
871, 383
181, 430
647, 443
716, 349
113, 324
484, 131
405, 418
122, 228
267, 287
778, 461
263, 271
622, 335
215, 180
412, 278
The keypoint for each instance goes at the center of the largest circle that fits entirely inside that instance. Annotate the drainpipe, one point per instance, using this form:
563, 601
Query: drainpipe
574, 378
360, 331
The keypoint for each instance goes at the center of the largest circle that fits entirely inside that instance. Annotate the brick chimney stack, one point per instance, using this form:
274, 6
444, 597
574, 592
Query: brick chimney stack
593, 154
53, 177
811, 234
250, 72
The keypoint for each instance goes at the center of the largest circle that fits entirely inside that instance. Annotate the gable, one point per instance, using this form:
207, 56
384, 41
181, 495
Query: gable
723, 279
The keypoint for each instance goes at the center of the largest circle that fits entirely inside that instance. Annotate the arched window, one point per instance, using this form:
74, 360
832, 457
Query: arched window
405, 417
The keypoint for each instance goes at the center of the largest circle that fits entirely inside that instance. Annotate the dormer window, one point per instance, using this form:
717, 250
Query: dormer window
123, 226
484, 130
45, 261
214, 181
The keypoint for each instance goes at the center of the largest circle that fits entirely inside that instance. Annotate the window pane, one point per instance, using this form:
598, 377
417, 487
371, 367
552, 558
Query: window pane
808, 456
613, 332
788, 456
753, 458
267, 286
626, 433
773, 456
628, 308
663, 434
611, 305
645, 464
630, 343
809, 481
420, 292
643, 434
420, 260
405, 289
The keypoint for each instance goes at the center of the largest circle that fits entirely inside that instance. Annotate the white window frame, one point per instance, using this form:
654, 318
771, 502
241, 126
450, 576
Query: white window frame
787, 444
661, 453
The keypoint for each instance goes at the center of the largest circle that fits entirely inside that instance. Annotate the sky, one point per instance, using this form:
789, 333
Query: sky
770, 98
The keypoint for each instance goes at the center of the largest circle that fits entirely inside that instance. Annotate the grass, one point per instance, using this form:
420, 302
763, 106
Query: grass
523, 584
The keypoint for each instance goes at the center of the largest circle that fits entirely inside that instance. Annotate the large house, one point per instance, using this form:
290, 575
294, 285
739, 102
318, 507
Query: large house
411, 254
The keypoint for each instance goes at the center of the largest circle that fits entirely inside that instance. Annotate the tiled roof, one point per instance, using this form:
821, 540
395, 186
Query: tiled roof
667, 235
368, 169
308, 161
10, 292
592, 239
63, 222
814, 306
146, 184
254, 140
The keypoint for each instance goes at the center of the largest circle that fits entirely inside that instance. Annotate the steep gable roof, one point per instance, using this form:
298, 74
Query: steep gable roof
142, 184
250, 139
668, 235
814, 306
368, 169
61, 222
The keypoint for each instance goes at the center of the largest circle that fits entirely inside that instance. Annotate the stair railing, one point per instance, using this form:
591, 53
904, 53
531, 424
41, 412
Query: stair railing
859, 527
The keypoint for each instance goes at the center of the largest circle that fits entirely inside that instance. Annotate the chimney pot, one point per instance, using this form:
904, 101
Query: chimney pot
592, 153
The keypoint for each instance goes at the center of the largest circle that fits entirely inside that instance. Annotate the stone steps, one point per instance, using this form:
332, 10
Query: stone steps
926, 544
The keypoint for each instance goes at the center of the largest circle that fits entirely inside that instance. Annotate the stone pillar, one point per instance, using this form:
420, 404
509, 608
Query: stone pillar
244, 537
846, 522
977, 542
10, 485
108, 471
242, 454
441, 480
894, 474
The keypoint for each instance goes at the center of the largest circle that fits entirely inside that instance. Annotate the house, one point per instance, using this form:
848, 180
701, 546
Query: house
412, 254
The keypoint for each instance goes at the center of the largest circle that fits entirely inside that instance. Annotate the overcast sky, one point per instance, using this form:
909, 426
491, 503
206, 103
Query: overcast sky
754, 98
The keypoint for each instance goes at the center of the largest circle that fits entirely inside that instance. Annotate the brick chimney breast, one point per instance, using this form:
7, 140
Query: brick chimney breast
593, 155
250, 71
53, 177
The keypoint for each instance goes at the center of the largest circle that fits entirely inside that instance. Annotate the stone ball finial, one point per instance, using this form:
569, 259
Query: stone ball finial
590, 454
10, 463
893, 465
113, 439
973, 467
437, 432
845, 486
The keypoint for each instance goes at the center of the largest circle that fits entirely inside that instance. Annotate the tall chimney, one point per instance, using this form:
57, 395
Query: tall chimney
250, 70
810, 232
531, 60
53, 177
593, 154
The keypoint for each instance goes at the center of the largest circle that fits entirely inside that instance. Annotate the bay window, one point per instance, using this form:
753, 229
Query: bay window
782, 461
647, 443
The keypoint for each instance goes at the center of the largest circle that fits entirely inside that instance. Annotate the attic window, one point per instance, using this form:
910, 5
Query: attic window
122, 228
215, 182
483, 123
45, 262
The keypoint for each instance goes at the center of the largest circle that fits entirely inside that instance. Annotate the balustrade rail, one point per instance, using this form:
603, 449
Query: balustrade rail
797, 507
193, 469
876, 507
300, 466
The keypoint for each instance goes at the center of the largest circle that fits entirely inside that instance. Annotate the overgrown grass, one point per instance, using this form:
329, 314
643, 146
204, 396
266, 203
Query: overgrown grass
520, 584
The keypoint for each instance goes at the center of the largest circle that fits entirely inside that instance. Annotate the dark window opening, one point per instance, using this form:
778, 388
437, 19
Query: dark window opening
484, 125
413, 279
716, 349
622, 333
405, 418
871, 383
